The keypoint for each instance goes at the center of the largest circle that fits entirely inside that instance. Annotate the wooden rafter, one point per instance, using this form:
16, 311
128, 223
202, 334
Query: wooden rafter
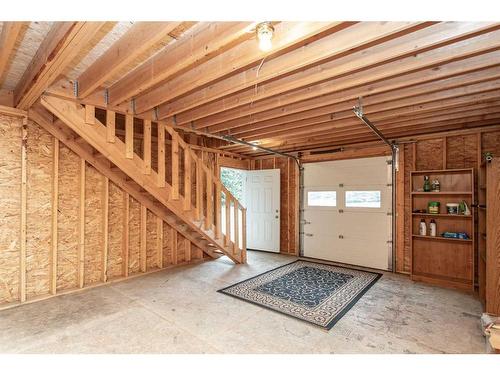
351, 70
8, 38
201, 42
57, 50
324, 49
287, 35
141, 37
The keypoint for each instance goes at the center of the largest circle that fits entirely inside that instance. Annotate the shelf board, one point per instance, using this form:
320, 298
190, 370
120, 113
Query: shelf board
440, 238
441, 193
443, 171
443, 215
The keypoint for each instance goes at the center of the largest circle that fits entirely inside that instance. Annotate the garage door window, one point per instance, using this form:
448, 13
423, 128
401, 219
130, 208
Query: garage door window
322, 198
363, 198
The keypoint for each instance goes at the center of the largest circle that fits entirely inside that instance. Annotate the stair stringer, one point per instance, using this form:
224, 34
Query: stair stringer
60, 131
73, 115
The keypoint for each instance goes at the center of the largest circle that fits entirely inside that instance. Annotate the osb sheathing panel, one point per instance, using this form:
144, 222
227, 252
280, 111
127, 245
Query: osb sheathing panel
430, 154
461, 151
93, 254
38, 214
151, 244
10, 203
67, 220
181, 248
167, 244
115, 225
134, 224
196, 252
491, 143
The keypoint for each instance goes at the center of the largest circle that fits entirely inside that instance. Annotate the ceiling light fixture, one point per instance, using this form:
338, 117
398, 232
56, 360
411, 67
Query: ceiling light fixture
265, 32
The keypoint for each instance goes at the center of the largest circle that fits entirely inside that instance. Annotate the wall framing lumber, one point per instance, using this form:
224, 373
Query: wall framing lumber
105, 228
24, 193
81, 225
55, 209
8, 38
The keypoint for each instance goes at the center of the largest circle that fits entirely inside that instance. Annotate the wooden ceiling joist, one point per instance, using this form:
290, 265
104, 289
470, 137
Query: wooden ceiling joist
200, 43
8, 39
346, 40
379, 62
382, 102
288, 35
137, 40
57, 50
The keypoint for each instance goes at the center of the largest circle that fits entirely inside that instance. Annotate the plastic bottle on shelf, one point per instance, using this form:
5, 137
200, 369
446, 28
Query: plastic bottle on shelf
423, 228
432, 228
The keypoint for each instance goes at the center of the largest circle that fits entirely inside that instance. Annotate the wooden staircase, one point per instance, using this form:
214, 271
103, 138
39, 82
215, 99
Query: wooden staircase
193, 199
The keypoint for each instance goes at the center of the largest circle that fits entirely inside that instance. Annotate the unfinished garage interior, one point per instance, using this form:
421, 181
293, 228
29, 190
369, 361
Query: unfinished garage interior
249, 187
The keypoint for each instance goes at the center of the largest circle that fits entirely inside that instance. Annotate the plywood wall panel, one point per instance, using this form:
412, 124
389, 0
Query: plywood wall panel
491, 143
134, 225
67, 220
39, 204
167, 245
93, 254
10, 203
430, 154
409, 162
115, 240
181, 248
461, 151
151, 244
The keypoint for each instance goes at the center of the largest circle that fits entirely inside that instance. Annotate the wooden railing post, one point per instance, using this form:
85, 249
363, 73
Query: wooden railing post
228, 219
110, 126
161, 154
146, 147
129, 136
209, 217
236, 229
218, 210
199, 191
187, 179
175, 166
243, 256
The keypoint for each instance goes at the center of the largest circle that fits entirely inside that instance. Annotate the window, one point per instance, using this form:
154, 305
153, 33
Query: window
368, 199
322, 198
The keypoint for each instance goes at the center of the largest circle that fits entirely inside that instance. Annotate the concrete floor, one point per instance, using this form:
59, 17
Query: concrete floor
179, 311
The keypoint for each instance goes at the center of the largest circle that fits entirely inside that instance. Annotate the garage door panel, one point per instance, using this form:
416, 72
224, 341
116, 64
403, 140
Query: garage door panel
357, 234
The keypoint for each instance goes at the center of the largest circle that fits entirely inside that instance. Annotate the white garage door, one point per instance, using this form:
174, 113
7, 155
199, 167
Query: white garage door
347, 211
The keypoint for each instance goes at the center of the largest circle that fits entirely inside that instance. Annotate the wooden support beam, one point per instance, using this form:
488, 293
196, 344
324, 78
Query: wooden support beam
81, 226
187, 246
54, 216
159, 241
198, 44
175, 166
187, 179
63, 42
209, 189
236, 213
199, 191
288, 35
105, 228
126, 235
227, 239
147, 147
218, 210
110, 126
310, 55
161, 154
8, 38
90, 114
129, 136
244, 234
24, 202
143, 260
140, 38
324, 86
173, 244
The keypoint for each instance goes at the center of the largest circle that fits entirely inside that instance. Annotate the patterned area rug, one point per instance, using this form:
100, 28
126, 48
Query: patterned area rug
314, 292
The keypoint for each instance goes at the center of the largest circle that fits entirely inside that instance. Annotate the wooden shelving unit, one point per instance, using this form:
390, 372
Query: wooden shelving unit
447, 262
489, 236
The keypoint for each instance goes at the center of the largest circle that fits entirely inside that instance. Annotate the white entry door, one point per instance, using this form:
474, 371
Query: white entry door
347, 211
262, 193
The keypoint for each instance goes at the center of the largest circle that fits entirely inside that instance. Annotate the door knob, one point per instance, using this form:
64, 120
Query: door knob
341, 236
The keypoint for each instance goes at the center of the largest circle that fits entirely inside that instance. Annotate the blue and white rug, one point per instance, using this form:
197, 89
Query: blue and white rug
314, 292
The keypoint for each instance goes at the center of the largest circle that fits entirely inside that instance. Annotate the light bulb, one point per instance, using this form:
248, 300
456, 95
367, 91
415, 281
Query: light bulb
265, 33
265, 44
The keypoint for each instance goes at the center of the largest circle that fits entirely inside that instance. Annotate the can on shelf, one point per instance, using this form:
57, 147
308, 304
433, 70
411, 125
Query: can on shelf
433, 207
